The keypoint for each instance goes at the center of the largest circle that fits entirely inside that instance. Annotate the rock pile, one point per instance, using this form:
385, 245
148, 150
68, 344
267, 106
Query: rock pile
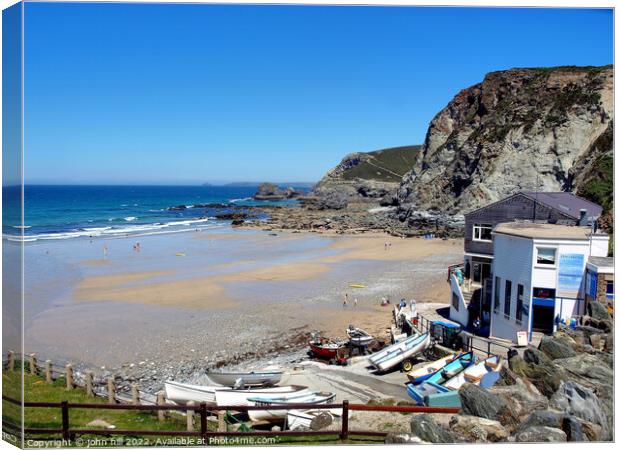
561, 391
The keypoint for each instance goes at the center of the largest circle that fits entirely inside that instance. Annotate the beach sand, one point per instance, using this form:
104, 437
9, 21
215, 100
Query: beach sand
232, 293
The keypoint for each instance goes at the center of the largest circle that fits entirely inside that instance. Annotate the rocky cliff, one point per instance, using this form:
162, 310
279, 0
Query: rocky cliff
371, 175
519, 129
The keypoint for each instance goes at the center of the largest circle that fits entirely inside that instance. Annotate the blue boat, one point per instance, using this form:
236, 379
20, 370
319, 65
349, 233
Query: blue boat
453, 368
425, 390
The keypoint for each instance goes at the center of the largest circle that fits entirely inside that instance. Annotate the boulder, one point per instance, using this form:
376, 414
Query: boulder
321, 421
523, 397
591, 369
403, 438
541, 434
598, 311
479, 402
555, 348
581, 402
552, 419
607, 326
532, 355
478, 429
591, 430
546, 377
425, 427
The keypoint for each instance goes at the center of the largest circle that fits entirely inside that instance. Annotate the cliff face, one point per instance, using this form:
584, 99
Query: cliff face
520, 129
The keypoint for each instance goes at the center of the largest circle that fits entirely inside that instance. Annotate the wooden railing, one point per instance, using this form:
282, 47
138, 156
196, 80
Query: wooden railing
68, 433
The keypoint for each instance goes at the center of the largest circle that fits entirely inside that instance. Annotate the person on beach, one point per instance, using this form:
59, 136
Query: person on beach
105, 251
355, 302
346, 299
385, 246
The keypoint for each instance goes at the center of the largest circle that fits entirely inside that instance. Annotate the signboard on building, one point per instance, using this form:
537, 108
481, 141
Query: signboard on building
570, 274
521, 338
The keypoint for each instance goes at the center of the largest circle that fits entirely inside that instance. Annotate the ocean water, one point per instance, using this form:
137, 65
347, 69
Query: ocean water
65, 212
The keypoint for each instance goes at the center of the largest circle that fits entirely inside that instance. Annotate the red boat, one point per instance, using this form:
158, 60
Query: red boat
325, 349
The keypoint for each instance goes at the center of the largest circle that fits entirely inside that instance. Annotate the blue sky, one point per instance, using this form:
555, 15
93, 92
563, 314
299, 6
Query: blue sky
182, 94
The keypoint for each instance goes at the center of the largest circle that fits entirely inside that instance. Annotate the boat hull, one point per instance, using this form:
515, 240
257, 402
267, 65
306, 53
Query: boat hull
181, 393
428, 370
248, 379
310, 398
399, 352
324, 352
239, 397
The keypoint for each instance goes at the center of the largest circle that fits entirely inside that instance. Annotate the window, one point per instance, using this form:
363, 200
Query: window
507, 298
519, 314
455, 301
482, 232
609, 293
498, 281
545, 256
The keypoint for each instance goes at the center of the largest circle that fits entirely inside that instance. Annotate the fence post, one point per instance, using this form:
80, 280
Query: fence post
203, 422
48, 372
135, 394
65, 420
221, 423
190, 417
111, 391
161, 415
33, 363
11, 363
69, 375
488, 348
344, 432
89, 383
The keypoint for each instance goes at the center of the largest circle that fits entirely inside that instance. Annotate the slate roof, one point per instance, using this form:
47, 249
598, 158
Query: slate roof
567, 203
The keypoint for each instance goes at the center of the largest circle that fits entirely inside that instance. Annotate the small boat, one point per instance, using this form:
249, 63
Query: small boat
309, 398
400, 352
443, 399
420, 392
239, 397
181, 393
430, 388
325, 348
427, 370
474, 373
232, 379
359, 337
454, 367
357, 286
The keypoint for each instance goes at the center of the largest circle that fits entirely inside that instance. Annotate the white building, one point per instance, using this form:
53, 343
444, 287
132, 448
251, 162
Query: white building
538, 275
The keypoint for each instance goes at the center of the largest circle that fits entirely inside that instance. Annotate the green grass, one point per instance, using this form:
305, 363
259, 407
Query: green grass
385, 165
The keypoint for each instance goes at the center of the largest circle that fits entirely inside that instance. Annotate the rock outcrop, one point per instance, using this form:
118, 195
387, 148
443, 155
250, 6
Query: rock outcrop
519, 129
373, 176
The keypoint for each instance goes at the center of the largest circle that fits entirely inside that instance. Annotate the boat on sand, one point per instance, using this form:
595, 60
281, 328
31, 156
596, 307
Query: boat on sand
401, 352
359, 337
239, 397
325, 348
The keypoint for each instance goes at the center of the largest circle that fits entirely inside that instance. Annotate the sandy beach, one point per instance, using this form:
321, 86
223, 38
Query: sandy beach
190, 299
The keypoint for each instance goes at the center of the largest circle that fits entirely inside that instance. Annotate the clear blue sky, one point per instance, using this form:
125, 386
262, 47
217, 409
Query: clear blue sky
147, 94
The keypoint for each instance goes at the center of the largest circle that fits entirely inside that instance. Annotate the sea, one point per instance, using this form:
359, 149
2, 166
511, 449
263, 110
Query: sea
69, 212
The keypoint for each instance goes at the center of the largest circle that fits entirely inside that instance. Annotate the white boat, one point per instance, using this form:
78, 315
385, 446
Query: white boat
239, 397
233, 379
359, 337
399, 352
422, 373
296, 418
181, 393
474, 373
309, 398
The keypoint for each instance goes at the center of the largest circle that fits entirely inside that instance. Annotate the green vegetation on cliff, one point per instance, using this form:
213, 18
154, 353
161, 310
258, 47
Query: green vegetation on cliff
387, 165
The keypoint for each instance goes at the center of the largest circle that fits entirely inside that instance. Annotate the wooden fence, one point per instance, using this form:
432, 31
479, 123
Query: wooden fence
204, 410
136, 402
